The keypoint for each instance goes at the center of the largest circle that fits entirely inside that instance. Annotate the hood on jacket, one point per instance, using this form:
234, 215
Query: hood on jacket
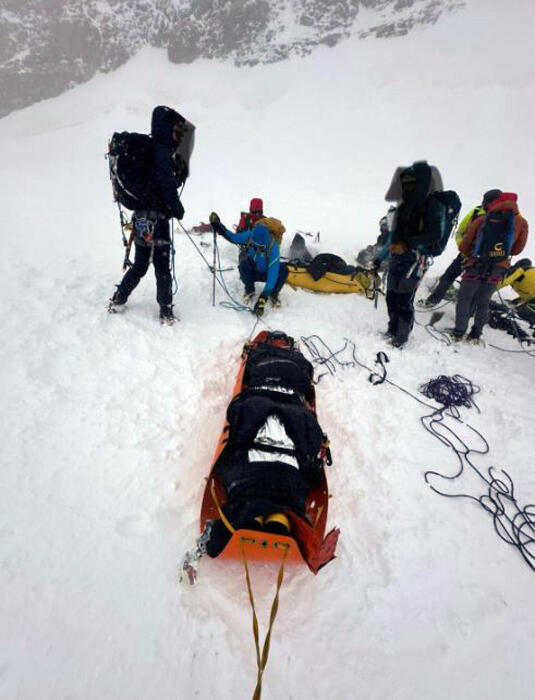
163, 120
395, 193
261, 235
256, 204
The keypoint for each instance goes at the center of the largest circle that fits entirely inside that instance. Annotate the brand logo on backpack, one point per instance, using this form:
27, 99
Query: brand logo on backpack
495, 237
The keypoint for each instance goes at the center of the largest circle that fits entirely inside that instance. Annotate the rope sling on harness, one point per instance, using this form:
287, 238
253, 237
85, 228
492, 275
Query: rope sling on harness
261, 658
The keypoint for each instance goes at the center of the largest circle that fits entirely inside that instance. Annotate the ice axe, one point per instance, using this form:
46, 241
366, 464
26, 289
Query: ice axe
215, 222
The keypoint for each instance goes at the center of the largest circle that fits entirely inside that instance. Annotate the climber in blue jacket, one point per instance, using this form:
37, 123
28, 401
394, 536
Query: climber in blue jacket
262, 262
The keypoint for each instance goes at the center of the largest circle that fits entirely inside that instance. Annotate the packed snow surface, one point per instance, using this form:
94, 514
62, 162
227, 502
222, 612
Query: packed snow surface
109, 422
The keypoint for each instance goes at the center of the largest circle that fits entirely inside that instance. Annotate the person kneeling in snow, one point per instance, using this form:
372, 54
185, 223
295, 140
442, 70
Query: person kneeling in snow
521, 277
262, 262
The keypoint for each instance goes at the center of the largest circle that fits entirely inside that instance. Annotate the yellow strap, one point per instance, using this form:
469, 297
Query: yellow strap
318, 515
221, 514
261, 660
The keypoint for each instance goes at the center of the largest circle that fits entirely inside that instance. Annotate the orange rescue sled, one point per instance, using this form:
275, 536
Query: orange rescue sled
308, 543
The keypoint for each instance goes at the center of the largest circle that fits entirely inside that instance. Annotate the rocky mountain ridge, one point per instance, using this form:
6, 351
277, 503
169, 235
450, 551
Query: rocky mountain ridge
48, 46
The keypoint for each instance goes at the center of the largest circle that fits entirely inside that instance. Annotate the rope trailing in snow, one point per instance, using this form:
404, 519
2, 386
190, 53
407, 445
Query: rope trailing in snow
513, 524
233, 303
262, 659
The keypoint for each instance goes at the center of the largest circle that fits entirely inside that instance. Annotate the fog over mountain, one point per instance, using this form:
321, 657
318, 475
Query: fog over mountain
48, 46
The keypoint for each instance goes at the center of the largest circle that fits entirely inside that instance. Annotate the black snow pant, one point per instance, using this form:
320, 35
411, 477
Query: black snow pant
475, 293
161, 258
527, 312
447, 279
256, 489
162, 270
403, 280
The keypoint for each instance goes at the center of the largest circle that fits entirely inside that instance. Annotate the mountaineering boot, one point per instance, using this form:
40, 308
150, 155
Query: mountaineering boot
275, 301
167, 316
248, 298
116, 303
398, 343
453, 335
474, 339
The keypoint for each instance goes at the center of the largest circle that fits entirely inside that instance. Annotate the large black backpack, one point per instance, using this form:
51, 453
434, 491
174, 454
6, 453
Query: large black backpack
130, 157
495, 237
440, 228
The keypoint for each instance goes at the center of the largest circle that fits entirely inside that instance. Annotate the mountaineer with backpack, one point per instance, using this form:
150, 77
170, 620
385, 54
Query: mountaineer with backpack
422, 224
455, 268
487, 247
247, 220
146, 172
262, 260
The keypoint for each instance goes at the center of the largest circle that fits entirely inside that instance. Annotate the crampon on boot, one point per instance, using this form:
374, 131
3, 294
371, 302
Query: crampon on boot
167, 316
116, 303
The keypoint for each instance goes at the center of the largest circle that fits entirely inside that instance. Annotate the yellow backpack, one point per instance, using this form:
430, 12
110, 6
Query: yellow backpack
275, 227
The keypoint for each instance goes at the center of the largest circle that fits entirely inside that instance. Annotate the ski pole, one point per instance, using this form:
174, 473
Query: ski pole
213, 268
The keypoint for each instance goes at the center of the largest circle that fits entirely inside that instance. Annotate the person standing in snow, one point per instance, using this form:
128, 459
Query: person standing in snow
261, 263
151, 226
456, 266
413, 220
487, 247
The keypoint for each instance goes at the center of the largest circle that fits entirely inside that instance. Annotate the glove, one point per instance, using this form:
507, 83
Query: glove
179, 212
260, 305
217, 226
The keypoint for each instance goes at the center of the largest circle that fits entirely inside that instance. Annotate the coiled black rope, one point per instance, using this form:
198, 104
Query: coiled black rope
451, 391
514, 524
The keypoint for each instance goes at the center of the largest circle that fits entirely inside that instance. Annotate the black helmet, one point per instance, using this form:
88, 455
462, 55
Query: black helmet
490, 196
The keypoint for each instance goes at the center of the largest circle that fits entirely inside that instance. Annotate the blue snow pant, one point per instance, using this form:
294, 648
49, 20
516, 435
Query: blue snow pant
249, 275
403, 279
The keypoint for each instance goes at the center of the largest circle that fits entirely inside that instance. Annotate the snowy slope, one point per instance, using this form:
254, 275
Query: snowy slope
109, 423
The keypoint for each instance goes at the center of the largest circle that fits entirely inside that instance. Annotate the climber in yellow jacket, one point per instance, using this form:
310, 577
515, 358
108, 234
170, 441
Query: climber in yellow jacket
521, 277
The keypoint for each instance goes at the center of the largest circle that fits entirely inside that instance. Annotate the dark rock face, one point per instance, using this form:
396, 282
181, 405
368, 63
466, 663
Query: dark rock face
48, 46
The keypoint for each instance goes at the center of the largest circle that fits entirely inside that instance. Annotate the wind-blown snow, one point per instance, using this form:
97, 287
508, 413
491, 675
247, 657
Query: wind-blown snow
109, 423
